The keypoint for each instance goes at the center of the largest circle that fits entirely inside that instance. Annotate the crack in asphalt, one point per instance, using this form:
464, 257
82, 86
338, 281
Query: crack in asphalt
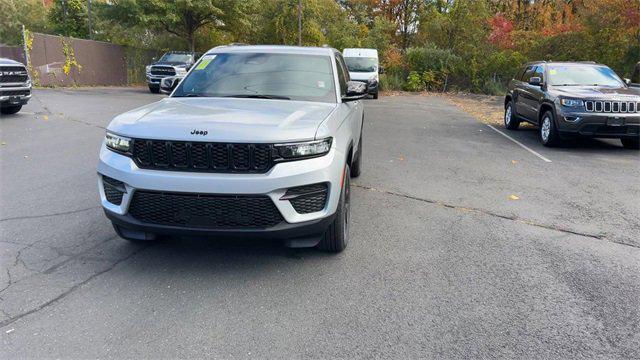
49, 215
494, 214
66, 293
65, 117
51, 269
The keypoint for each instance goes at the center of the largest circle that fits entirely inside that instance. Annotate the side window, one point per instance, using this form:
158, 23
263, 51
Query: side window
520, 73
528, 74
539, 72
341, 76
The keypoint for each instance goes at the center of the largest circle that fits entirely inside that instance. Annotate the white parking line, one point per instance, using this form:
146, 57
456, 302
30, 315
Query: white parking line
521, 144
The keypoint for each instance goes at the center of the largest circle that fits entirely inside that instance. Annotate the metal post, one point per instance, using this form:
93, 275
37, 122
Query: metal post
26, 48
299, 22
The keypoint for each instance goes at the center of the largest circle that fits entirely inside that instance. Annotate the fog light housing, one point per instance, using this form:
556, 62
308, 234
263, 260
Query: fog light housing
572, 119
113, 190
307, 199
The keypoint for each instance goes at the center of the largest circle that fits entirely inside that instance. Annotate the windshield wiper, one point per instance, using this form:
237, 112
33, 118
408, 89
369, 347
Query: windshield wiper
189, 95
259, 96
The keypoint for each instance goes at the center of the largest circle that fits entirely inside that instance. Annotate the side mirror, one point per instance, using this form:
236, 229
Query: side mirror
380, 70
535, 81
627, 81
169, 83
356, 90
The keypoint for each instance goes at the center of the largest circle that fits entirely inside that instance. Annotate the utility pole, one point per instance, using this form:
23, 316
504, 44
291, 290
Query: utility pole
299, 22
89, 19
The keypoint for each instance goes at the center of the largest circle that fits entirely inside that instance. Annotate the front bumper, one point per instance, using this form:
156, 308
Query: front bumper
602, 125
6, 98
274, 184
305, 234
154, 80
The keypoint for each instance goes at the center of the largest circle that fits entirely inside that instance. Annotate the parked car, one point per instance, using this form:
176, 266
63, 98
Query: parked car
363, 66
173, 63
256, 141
15, 86
568, 99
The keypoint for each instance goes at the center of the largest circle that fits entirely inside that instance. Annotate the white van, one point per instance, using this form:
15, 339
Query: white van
363, 66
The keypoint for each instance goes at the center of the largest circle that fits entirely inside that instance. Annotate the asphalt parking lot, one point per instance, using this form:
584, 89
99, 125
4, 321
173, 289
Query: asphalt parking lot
463, 244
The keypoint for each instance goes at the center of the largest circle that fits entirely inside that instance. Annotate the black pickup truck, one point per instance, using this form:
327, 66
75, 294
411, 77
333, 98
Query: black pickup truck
172, 63
15, 86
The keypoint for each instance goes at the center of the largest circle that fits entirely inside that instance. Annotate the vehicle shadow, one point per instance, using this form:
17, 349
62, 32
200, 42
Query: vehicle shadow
529, 136
213, 254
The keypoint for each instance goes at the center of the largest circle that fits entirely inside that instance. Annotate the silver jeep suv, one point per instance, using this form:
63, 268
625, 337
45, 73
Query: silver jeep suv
256, 141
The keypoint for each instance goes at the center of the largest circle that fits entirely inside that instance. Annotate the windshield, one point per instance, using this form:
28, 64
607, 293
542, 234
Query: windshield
362, 64
572, 75
182, 58
264, 75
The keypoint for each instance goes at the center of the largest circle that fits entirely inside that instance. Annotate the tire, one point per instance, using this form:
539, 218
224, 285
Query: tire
631, 143
548, 132
375, 95
154, 89
9, 110
511, 121
336, 236
356, 164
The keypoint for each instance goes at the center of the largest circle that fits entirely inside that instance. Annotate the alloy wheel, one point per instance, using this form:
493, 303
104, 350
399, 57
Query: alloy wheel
545, 130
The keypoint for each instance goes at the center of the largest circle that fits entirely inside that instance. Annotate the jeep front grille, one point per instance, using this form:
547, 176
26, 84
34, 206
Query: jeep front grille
204, 210
612, 106
201, 156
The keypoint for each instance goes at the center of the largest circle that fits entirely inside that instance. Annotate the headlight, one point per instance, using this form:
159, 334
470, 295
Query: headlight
148, 68
180, 70
572, 102
304, 149
118, 143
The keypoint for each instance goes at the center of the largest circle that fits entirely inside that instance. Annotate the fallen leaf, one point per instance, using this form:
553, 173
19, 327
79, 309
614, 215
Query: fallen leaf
514, 162
401, 158
45, 117
26, 156
3, 143
513, 197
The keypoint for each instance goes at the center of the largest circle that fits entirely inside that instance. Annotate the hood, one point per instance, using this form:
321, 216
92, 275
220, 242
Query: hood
169, 63
363, 76
224, 120
4, 61
596, 92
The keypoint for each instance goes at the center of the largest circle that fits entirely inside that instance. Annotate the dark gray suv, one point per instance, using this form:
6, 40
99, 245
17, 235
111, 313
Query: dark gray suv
574, 99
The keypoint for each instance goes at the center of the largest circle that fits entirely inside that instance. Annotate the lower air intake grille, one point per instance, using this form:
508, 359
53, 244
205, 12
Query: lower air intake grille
204, 210
307, 199
113, 190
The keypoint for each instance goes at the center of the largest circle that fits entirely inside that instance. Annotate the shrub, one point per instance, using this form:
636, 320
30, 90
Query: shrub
391, 82
414, 82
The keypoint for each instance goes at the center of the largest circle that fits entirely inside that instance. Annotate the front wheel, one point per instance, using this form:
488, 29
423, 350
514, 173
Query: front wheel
154, 89
511, 122
375, 94
8, 110
336, 236
548, 131
631, 143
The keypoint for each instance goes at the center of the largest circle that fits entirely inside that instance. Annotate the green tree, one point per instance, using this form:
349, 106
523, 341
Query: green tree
15, 13
69, 18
